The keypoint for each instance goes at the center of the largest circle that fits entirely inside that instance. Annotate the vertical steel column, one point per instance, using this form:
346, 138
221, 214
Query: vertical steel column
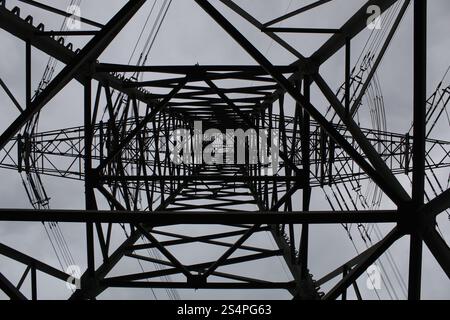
28, 74
305, 145
420, 98
418, 185
33, 283
347, 75
344, 274
89, 183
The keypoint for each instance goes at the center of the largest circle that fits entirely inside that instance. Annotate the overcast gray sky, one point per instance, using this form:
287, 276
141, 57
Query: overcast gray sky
189, 36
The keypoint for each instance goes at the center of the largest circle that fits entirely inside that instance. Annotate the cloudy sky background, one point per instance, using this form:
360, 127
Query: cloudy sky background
189, 36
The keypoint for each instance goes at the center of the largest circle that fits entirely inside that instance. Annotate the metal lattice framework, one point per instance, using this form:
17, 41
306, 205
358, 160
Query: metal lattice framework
122, 153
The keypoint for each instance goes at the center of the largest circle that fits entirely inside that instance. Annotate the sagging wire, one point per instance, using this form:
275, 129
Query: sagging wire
378, 119
120, 100
30, 177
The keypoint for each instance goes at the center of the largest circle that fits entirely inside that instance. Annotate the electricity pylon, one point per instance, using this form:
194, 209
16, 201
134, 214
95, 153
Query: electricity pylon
123, 149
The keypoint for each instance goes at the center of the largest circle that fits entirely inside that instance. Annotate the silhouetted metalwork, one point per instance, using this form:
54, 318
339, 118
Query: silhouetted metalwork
122, 152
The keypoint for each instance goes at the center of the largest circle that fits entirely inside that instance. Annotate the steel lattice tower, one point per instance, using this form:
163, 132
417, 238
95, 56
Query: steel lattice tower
122, 153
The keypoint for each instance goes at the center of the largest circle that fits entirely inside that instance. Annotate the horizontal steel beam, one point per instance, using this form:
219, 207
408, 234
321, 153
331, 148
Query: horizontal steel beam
203, 178
170, 218
210, 285
301, 30
186, 69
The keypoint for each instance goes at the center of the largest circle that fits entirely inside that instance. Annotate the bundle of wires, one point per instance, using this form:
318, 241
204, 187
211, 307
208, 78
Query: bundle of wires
31, 179
338, 194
